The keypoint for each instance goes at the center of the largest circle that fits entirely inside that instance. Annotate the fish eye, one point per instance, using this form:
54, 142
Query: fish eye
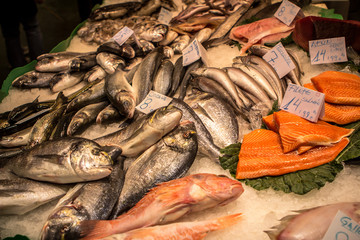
95, 152
221, 175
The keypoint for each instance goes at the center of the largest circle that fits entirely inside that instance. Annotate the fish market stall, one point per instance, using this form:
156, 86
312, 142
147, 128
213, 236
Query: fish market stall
227, 113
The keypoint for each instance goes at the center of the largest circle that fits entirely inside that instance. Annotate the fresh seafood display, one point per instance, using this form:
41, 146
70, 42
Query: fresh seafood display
171, 171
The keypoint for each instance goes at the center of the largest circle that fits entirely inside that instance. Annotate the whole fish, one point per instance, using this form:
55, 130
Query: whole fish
163, 78
17, 139
313, 223
114, 10
109, 62
152, 31
217, 116
189, 11
109, 113
168, 202
205, 140
33, 79
94, 94
55, 62
203, 35
84, 117
125, 50
142, 80
64, 80
168, 159
86, 201
83, 62
64, 160
179, 231
120, 93
178, 74
95, 73
21, 195
143, 132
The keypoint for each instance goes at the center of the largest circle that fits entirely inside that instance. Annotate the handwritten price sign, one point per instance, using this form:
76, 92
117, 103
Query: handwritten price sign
303, 102
153, 101
330, 50
287, 12
280, 60
165, 16
193, 52
343, 228
123, 35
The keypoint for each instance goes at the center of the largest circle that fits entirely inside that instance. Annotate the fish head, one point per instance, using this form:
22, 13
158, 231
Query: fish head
127, 103
219, 188
183, 138
90, 161
165, 119
158, 32
198, 72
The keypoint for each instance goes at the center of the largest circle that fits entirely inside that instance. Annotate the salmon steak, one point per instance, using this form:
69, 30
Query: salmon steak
336, 113
338, 87
261, 155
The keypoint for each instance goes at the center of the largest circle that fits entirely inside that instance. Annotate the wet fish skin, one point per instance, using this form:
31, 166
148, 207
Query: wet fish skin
168, 159
163, 77
55, 62
86, 201
185, 80
169, 38
155, 34
180, 43
178, 74
83, 62
109, 113
17, 139
33, 79
109, 62
21, 195
95, 73
25, 110
64, 80
125, 50
114, 10
64, 160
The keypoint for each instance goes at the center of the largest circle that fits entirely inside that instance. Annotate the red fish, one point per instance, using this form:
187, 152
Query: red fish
168, 202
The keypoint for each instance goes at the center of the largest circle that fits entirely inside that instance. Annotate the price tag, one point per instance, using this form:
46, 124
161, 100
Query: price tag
123, 35
193, 52
153, 101
165, 16
343, 227
304, 102
328, 50
280, 60
287, 12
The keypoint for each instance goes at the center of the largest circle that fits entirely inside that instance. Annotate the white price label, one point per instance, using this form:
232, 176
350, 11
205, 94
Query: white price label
193, 52
287, 12
280, 60
330, 50
153, 101
165, 16
304, 102
123, 35
343, 227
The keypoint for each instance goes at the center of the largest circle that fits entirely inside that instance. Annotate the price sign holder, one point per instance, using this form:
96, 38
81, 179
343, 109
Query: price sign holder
329, 50
280, 60
165, 16
153, 101
193, 52
286, 12
304, 102
123, 35
343, 227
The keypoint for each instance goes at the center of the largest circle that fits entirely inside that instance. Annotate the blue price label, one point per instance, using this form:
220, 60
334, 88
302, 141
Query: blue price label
287, 12
193, 52
165, 16
330, 50
343, 227
153, 101
123, 35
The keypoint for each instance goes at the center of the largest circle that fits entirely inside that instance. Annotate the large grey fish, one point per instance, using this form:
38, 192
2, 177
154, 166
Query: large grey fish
83, 62
163, 78
94, 94
120, 93
64, 80
21, 195
125, 50
205, 140
247, 83
64, 160
109, 62
86, 201
168, 159
217, 116
142, 80
143, 132
55, 62
33, 79
114, 10
84, 117
17, 139
95, 73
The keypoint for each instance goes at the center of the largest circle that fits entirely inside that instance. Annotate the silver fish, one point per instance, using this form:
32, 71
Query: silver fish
189, 11
163, 78
180, 43
178, 74
151, 30
21, 195
120, 93
95, 73
85, 201
125, 50
84, 117
83, 62
109, 62
169, 38
168, 52
64, 80
185, 80
115, 10
168, 159
65, 160
55, 62
148, 7
203, 35
109, 113
17, 139
33, 79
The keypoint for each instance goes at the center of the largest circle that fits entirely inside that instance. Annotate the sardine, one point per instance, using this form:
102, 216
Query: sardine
109, 62
163, 78
33, 79
65, 160
21, 195
83, 62
85, 201
168, 202
95, 73
125, 50
64, 80
55, 62
84, 117
114, 10
120, 93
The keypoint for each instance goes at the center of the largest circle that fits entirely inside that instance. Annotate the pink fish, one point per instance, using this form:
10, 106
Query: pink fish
179, 231
168, 202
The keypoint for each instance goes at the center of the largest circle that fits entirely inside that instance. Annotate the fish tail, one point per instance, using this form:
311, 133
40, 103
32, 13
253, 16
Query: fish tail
95, 229
229, 220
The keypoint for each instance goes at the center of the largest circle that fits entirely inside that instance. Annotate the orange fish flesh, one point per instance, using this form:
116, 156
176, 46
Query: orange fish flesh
179, 231
338, 87
261, 155
339, 114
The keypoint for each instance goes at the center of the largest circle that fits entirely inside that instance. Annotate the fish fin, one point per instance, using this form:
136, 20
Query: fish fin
229, 220
95, 229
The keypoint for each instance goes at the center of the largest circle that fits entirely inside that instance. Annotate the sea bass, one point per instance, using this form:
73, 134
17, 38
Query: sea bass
168, 202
